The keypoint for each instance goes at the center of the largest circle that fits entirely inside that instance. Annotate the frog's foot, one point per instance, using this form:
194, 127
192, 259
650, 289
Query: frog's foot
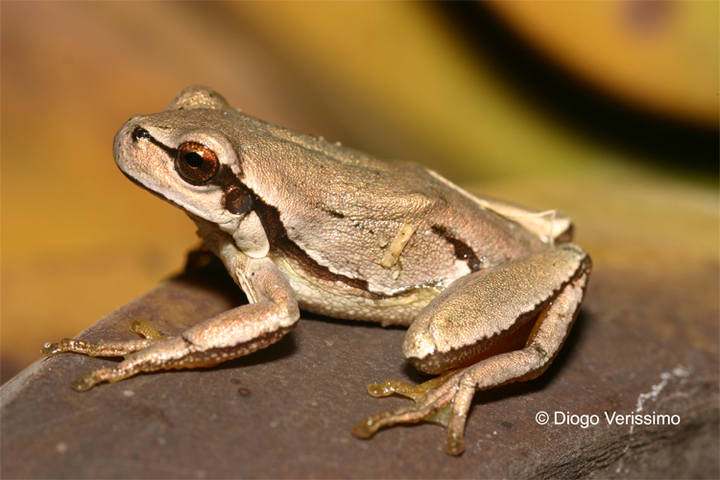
446, 399
442, 400
170, 353
229, 334
107, 349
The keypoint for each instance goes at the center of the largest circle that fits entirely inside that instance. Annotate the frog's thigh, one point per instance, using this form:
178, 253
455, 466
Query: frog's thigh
547, 338
231, 334
545, 341
543, 345
483, 309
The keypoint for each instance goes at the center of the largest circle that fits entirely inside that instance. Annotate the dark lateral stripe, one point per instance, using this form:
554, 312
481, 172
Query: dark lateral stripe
270, 218
462, 250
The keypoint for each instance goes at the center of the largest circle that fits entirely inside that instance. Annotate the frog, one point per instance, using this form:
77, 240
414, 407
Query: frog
487, 289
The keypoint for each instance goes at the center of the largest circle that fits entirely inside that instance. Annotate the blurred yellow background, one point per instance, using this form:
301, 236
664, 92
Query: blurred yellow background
430, 83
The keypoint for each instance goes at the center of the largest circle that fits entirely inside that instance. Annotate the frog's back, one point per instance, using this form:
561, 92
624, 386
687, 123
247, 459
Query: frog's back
348, 209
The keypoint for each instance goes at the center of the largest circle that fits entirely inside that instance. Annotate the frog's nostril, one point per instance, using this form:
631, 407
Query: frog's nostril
140, 133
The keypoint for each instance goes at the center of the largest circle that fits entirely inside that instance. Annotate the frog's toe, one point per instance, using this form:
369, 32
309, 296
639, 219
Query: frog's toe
66, 345
85, 383
388, 387
115, 374
368, 427
51, 349
145, 328
456, 443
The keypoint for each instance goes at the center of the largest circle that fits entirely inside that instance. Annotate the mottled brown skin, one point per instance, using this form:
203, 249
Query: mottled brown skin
303, 223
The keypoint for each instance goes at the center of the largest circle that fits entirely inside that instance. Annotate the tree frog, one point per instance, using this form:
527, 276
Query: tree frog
489, 290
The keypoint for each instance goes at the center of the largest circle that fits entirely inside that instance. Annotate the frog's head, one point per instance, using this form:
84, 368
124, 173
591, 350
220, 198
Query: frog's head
188, 155
182, 155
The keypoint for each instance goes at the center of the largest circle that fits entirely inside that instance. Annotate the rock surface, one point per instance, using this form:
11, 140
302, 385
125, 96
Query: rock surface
646, 342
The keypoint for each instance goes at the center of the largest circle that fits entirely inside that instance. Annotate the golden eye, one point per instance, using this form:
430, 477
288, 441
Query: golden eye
196, 163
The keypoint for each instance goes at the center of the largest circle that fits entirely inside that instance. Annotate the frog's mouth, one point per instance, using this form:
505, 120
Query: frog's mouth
154, 192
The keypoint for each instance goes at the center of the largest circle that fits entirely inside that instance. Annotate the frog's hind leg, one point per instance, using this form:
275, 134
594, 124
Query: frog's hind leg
447, 400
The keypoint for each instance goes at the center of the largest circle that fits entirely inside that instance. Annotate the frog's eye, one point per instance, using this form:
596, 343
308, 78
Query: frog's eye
196, 163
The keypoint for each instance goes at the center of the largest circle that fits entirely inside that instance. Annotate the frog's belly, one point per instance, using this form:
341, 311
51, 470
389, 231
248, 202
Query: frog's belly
337, 300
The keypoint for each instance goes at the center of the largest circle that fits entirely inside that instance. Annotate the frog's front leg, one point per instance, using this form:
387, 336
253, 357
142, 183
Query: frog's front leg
229, 335
471, 320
